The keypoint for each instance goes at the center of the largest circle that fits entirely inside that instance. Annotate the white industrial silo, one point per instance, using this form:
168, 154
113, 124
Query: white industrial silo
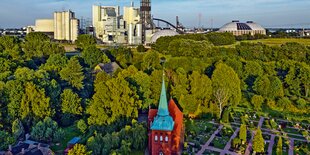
131, 34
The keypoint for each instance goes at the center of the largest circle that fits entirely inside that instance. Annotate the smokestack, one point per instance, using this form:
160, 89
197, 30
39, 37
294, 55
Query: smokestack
132, 4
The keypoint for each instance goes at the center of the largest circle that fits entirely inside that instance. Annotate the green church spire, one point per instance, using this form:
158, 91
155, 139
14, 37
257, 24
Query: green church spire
163, 104
163, 121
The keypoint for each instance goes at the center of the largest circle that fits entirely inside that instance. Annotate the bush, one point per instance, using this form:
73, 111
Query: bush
81, 125
236, 142
273, 124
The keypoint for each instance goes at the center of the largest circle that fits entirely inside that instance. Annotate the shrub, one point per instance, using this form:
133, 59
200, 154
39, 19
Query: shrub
81, 125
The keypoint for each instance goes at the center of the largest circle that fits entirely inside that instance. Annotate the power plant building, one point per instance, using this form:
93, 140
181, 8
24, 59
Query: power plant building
108, 24
238, 28
64, 26
111, 27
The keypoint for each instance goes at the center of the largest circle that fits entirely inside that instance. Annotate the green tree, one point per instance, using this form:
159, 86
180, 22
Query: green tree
139, 82
113, 100
279, 146
257, 101
269, 87
38, 44
79, 149
35, 102
125, 147
93, 56
219, 39
139, 134
73, 73
84, 41
82, 126
46, 130
5, 140
15, 92
151, 61
71, 102
11, 46
17, 129
243, 133
258, 142
226, 86
55, 63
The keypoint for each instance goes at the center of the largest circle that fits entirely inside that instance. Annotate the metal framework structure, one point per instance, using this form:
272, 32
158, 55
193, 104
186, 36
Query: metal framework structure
146, 17
178, 29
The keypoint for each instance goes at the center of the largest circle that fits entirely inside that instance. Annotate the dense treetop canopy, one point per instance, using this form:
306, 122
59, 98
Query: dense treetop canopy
43, 91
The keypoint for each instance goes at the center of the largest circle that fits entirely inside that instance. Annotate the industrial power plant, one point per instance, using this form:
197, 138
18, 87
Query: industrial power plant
136, 25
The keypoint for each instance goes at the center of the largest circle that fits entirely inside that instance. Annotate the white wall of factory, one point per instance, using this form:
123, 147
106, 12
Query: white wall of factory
110, 26
64, 25
44, 25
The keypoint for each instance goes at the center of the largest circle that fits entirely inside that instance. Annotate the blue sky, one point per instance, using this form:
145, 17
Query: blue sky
269, 13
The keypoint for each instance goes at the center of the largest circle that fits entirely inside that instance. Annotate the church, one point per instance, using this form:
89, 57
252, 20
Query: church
165, 127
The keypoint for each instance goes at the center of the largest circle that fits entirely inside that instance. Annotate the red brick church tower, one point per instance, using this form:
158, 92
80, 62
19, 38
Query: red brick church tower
165, 124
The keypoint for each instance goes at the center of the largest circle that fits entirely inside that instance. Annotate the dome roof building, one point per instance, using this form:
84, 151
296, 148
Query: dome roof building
163, 33
238, 28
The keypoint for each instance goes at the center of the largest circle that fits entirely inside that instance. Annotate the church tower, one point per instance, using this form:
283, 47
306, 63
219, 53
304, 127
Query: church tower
161, 127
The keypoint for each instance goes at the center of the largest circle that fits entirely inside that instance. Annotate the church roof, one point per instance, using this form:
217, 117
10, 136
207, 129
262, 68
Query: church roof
163, 104
163, 121
177, 116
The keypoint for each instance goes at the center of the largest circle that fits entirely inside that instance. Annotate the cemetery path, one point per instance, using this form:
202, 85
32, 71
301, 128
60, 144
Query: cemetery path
271, 143
220, 150
269, 132
291, 148
228, 145
204, 147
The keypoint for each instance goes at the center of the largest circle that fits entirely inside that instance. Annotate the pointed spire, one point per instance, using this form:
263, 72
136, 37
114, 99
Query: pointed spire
163, 104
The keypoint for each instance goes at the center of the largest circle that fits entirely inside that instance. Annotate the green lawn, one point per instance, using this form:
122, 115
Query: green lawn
280, 41
70, 132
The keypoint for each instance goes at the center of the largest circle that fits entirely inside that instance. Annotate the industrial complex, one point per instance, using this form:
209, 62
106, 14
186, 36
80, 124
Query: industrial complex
135, 26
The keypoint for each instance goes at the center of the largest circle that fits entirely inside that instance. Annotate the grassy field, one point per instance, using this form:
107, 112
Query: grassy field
70, 132
280, 41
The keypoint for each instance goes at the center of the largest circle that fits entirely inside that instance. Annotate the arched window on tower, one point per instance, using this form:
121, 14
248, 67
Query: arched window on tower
156, 138
161, 138
166, 139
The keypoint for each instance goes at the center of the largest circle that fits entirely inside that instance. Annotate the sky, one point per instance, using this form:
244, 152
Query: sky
269, 13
